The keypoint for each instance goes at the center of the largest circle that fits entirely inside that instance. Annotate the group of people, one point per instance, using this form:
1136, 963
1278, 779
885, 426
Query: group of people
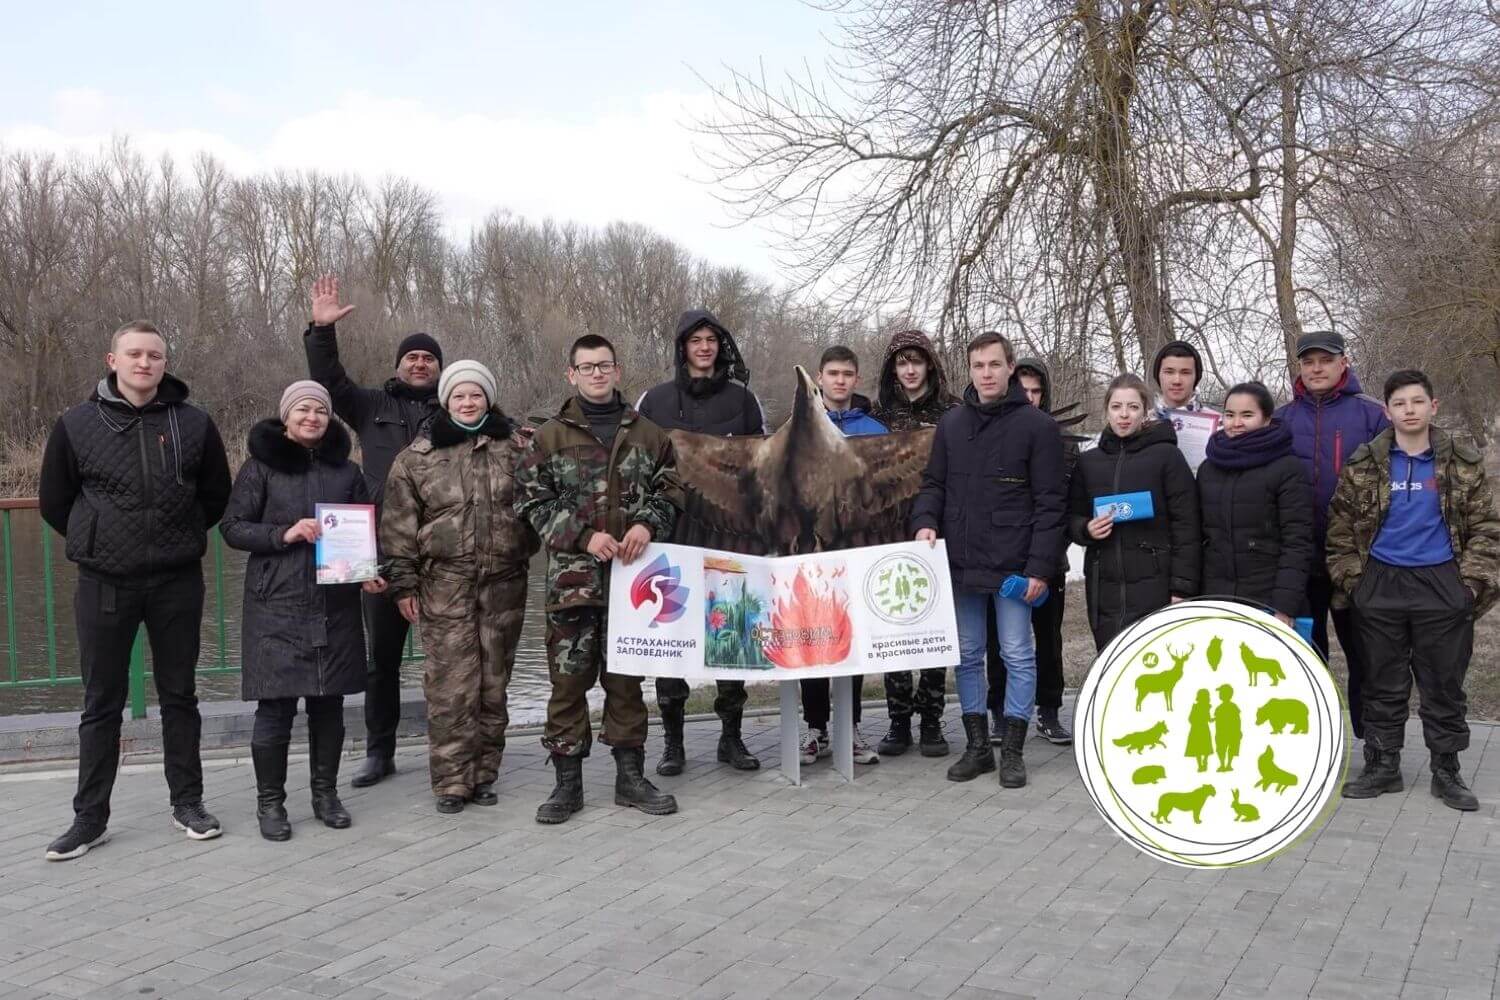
135, 476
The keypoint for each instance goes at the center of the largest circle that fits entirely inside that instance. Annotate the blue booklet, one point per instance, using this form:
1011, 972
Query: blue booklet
1126, 506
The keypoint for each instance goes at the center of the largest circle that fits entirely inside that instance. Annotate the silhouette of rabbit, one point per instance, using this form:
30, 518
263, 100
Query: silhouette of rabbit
1243, 811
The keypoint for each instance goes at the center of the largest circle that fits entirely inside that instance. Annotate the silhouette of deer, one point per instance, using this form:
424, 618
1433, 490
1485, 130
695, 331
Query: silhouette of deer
1164, 682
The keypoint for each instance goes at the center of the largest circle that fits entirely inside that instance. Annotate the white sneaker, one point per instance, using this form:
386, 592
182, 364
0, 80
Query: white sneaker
863, 754
815, 745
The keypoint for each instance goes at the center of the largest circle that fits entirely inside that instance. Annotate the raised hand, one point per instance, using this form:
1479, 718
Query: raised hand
325, 302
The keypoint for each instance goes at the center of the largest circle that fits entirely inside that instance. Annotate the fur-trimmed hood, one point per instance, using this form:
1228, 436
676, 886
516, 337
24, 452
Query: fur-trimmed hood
268, 443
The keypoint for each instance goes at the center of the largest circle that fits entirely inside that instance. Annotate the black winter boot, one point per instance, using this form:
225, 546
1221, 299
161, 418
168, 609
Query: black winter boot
632, 788
373, 771
1382, 773
673, 757
978, 757
930, 738
898, 739
567, 795
1448, 783
1012, 767
732, 749
270, 791
325, 745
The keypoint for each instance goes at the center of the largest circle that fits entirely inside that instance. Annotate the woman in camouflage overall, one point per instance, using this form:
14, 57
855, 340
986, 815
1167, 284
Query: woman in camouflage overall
457, 563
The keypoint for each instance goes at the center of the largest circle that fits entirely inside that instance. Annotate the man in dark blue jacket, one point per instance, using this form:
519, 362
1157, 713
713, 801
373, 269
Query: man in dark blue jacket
1330, 417
993, 490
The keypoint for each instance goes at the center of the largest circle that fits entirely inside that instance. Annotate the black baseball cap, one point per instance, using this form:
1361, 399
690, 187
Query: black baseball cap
1320, 340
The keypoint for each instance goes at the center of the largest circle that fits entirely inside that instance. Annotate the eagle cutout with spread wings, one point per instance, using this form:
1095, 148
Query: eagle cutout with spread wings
804, 488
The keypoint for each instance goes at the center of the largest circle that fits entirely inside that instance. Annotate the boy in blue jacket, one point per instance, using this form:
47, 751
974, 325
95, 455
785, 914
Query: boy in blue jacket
993, 489
838, 377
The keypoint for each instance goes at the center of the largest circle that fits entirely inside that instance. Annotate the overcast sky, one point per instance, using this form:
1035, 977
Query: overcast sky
575, 110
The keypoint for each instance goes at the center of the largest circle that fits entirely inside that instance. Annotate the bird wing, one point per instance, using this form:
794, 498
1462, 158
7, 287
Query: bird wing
721, 506
876, 512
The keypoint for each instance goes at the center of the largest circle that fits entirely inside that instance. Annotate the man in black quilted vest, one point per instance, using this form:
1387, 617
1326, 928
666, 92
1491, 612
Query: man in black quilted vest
387, 419
134, 478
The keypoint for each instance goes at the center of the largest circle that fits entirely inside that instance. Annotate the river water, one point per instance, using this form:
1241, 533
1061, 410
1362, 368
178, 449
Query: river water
528, 690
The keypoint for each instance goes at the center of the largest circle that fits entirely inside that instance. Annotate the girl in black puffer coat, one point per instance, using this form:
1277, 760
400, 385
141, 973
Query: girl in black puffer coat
1257, 508
1134, 567
298, 638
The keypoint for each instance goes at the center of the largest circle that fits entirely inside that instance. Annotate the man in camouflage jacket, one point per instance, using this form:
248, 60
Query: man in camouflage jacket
457, 555
597, 482
1414, 549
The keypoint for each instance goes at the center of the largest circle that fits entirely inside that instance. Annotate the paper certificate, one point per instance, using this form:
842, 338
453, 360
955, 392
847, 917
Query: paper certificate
346, 542
1194, 428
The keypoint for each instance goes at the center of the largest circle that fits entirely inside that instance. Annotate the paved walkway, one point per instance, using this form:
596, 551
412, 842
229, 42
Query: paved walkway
902, 884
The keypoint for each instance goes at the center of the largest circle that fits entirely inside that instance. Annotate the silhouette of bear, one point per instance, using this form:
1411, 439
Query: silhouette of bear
1281, 713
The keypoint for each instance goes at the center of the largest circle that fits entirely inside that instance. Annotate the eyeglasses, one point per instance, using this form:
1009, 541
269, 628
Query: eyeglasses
602, 367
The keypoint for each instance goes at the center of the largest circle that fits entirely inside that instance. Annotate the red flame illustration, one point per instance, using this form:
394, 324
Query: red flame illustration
812, 629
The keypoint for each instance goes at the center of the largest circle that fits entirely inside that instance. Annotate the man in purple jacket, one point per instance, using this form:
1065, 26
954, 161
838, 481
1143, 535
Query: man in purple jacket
1329, 418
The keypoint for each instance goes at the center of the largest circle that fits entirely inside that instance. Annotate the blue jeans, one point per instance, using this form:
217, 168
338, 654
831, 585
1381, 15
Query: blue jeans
1013, 621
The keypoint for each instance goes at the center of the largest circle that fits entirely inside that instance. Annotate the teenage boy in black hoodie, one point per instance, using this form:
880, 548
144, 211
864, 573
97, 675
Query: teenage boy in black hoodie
708, 394
1046, 621
993, 489
133, 479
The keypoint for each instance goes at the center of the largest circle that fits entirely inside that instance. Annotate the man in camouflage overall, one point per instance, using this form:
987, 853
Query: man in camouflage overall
598, 482
458, 557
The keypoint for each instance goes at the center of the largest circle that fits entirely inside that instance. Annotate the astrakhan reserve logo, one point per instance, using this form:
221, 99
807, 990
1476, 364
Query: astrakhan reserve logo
1209, 735
901, 588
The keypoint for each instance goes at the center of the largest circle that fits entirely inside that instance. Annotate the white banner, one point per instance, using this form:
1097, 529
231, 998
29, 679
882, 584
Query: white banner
680, 611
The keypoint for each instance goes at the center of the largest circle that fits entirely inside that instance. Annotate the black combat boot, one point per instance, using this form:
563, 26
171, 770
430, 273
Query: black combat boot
1012, 767
632, 788
325, 745
270, 791
898, 739
567, 795
1448, 784
673, 757
979, 757
930, 739
732, 749
1382, 773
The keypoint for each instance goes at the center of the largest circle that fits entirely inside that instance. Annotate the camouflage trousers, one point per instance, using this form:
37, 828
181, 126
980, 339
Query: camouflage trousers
575, 661
470, 629
928, 701
672, 694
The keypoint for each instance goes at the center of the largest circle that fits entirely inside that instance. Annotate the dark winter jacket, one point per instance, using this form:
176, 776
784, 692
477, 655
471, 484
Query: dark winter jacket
721, 405
892, 408
1071, 446
134, 490
993, 489
385, 419
1142, 565
297, 637
1325, 433
1257, 512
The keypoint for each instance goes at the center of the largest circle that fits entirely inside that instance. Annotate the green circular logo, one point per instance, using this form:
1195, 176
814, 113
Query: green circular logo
1210, 734
901, 589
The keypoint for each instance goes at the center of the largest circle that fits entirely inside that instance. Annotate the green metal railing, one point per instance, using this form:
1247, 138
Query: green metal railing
16, 678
